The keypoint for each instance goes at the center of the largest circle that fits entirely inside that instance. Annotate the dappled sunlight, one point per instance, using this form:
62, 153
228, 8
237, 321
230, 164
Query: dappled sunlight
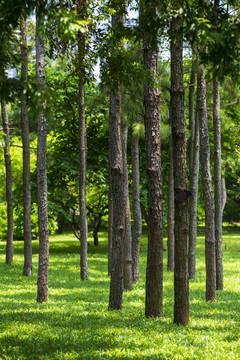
76, 323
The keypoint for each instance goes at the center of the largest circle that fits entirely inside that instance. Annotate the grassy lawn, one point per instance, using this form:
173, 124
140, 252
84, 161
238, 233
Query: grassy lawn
76, 323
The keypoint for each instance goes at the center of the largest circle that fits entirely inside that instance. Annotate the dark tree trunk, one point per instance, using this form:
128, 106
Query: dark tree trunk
217, 184
144, 213
95, 237
194, 171
154, 272
82, 9
110, 216
192, 126
116, 168
97, 224
27, 269
42, 291
181, 288
127, 239
207, 189
171, 240
136, 207
117, 181
9, 196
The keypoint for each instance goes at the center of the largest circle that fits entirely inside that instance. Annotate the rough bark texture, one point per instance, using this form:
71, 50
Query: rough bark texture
42, 291
136, 207
207, 189
82, 8
191, 113
127, 239
110, 215
9, 196
171, 239
27, 269
117, 184
116, 168
154, 271
217, 184
194, 172
181, 288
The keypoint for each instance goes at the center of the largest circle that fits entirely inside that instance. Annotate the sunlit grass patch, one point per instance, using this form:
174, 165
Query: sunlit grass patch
76, 323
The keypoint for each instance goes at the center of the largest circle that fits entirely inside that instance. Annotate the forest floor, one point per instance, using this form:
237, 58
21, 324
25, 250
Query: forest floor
76, 323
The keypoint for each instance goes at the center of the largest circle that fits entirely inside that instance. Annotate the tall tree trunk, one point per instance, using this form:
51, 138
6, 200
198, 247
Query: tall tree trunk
82, 8
27, 269
170, 222
217, 184
154, 271
116, 168
9, 196
42, 291
110, 215
82, 183
207, 189
181, 288
117, 183
194, 172
136, 207
127, 239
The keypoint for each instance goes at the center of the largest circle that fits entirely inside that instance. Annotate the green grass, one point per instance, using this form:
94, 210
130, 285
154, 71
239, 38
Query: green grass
76, 323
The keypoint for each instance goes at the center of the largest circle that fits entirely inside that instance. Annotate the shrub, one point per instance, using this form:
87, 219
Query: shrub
18, 222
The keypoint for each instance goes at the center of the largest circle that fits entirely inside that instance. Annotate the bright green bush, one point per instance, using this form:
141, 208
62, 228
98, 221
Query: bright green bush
18, 222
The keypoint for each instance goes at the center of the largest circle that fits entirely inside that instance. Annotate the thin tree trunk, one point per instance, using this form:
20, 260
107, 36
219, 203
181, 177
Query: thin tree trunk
192, 126
82, 8
117, 182
171, 240
27, 269
136, 207
154, 271
127, 240
82, 183
110, 216
42, 291
224, 195
194, 172
9, 196
217, 184
207, 189
181, 288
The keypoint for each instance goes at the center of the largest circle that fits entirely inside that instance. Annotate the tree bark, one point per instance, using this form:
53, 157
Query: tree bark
127, 239
194, 172
82, 183
42, 291
116, 168
154, 271
171, 239
117, 183
110, 216
181, 287
207, 189
217, 184
27, 269
136, 207
9, 196
82, 138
